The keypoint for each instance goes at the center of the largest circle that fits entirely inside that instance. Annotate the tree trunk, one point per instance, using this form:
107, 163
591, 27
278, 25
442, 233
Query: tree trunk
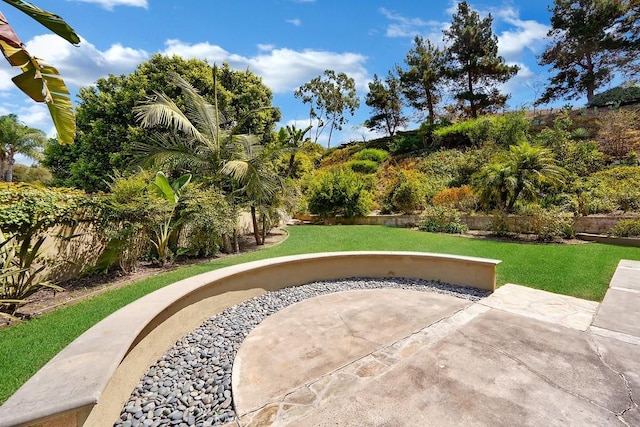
264, 230
254, 220
236, 241
292, 160
8, 176
226, 244
472, 105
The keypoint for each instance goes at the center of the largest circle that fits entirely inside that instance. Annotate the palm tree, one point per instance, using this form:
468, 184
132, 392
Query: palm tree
532, 168
521, 173
294, 141
201, 139
15, 138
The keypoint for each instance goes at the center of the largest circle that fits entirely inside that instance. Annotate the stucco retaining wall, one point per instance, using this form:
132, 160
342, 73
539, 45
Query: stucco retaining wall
89, 381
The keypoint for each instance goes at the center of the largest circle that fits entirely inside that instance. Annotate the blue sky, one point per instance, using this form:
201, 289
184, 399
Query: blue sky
286, 42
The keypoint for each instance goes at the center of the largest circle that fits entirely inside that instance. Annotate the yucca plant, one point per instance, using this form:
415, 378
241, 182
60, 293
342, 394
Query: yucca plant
21, 271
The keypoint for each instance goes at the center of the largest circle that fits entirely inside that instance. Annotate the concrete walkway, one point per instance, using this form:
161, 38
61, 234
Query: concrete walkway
393, 357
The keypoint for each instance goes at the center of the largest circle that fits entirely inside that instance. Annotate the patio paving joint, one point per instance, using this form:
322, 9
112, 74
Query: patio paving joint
548, 380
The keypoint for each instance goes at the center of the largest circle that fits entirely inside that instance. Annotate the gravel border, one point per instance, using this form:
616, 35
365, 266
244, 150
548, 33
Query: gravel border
191, 384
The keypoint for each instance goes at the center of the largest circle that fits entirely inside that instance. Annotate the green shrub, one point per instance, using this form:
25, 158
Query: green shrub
339, 192
406, 143
373, 154
616, 96
616, 188
626, 228
28, 208
206, 216
407, 192
504, 130
363, 166
441, 219
408, 197
547, 224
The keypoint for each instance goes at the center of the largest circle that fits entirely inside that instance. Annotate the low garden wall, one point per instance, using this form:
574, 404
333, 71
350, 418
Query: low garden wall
90, 380
595, 224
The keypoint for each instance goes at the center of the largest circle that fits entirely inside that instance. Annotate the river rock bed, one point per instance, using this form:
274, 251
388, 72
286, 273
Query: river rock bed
191, 384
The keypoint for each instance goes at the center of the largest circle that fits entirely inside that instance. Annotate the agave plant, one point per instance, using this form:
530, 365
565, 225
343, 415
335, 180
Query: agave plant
21, 271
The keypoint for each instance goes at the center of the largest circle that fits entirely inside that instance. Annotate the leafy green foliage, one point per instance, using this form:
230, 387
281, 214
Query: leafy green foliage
17, 138
339, 192
441, 219
475, 66
386, 101
588, 47
617, 96
21, 270
205, 216
547, 224
31, 174
329, 96
363, 166
373, 154
617, 188
627, 228
107, 128
26, 208
422, 80
504, 130
524, 171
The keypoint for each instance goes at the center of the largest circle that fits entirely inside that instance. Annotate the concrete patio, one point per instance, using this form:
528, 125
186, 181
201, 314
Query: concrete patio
396, 357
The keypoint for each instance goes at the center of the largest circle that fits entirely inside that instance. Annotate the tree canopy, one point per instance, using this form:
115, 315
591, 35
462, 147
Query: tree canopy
107, 128
385, 98
474, 64
422, 81
17, 138
329, 96
591, 40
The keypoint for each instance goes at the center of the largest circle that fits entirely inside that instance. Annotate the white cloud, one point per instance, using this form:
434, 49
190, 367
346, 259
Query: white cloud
265, 47
525, 35
283, 70
295, 22
110, 4
82, 65
402, 26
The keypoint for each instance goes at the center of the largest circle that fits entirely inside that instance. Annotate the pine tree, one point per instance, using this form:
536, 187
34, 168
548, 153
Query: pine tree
475, 65
422, 80
591, 40
385, 98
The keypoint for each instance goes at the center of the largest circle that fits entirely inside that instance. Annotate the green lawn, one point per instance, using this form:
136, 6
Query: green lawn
583, 271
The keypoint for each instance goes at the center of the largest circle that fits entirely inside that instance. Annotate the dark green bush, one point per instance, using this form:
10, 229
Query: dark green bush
626, 228
441, 219
406, 143
339, 192
363, 166
373, 154
616, 96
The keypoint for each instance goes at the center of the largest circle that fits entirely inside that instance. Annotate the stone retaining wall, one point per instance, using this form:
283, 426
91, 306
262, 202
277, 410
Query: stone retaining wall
595, 224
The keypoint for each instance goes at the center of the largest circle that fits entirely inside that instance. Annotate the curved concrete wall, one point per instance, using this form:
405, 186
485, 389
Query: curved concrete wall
89, 381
